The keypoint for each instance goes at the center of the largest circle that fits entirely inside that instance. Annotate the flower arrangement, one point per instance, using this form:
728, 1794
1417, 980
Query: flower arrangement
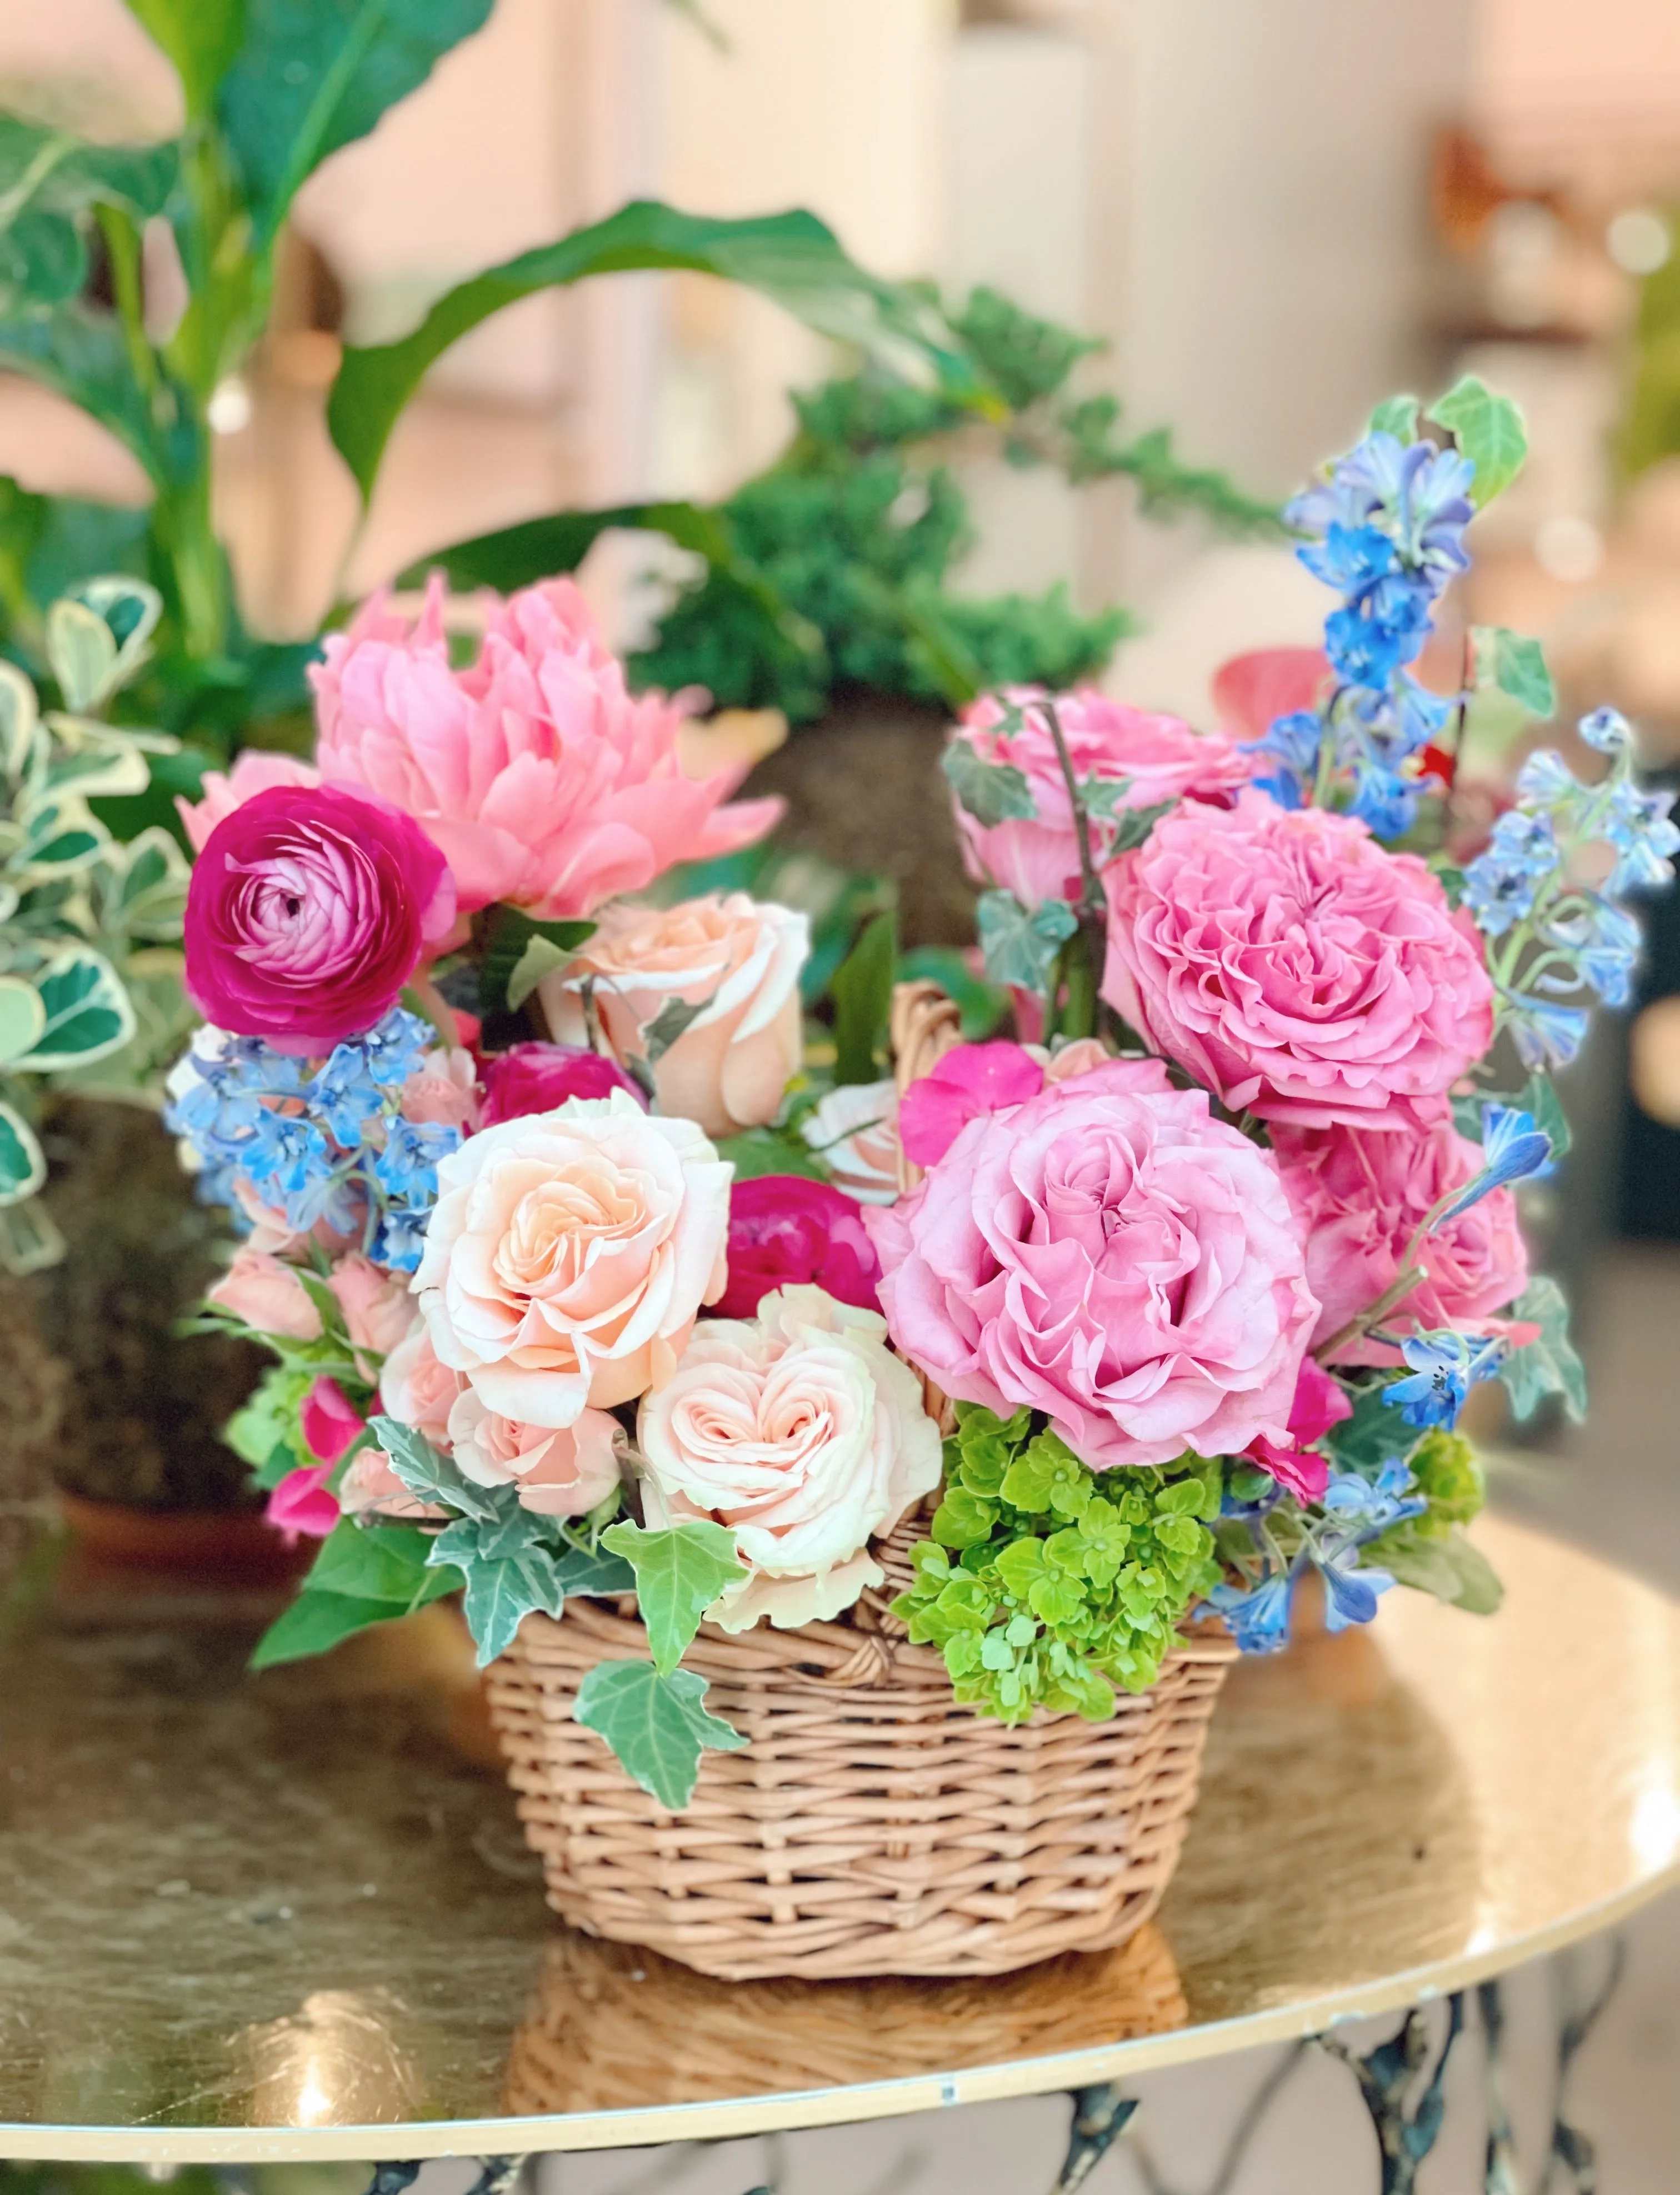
585, 1255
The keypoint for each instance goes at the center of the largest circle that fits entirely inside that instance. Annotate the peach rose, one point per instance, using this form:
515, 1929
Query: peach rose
735, 960
568, 1254
415, 1389
443, 1091
856, 1130
377, 1307
370, 1484
267, 1296
802, 1433
563, 1472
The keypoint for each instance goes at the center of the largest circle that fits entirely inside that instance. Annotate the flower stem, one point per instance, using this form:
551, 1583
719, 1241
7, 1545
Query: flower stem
1401, 1287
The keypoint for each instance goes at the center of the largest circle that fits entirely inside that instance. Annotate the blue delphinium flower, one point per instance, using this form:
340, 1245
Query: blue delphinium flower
1502, 883
1258, 1617
1513, 1149
1444, 1366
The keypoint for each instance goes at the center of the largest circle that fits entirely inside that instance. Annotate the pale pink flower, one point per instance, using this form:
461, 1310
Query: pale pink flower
370, 1486
416, 1389
255, 770
267, 1296
443, 1090
377, 1307
559, 1471
854, 1129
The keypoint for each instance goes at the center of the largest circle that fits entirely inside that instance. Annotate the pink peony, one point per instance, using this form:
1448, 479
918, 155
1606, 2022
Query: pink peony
543, 780
1359, 1197
1155, 759
266, 1295
377, 1307
416, 1389
559, 1473
1109, 1254
970, 1080
255, 770
784, 1228
1296, 1463
308, 910
330, 1421
539, 1078
304, 1503
1295, 967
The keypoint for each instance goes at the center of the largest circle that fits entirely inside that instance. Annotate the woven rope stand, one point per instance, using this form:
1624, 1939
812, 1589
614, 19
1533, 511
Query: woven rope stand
870, 1825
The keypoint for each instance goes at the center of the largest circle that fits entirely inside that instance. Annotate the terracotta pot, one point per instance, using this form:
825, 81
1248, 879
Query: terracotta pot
232, 1546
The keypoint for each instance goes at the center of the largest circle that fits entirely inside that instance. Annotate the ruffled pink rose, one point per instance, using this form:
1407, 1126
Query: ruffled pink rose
854, 1130
1297, 1463
416, 1389
310, 909
730, 965
568, 1256
785, 1230
266, 1295
539, 1078
802, 1432
563, 1472
969, 1080
255, 770
377, 1307
329, 1420
542, 779
1296, 967
1152, 757
302, 1503
443, 1090
1359, 1198
1109, 1254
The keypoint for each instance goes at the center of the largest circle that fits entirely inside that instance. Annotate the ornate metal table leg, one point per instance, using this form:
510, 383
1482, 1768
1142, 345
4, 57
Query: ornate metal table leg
1386, 2077
497, 2176
1099, 2114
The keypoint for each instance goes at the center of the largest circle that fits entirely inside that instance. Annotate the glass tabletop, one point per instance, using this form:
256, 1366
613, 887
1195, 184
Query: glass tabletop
244, 1918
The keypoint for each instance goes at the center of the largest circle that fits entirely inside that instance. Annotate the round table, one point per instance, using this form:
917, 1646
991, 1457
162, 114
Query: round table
245, 1919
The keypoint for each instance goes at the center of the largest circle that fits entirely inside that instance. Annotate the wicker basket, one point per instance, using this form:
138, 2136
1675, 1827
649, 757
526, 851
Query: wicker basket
870, 1825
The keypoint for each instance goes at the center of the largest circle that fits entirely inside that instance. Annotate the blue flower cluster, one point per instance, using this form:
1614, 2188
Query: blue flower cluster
1555, 937
1356, 1510
317, 1141
1385, 529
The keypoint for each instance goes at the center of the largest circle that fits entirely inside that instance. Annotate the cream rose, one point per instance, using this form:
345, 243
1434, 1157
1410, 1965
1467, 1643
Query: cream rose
802, 1433
559, 1472
856, 1130
568, 1253
416, 1389
736, 960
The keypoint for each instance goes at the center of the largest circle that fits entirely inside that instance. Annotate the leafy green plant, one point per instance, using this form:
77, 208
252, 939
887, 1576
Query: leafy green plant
1047, 1585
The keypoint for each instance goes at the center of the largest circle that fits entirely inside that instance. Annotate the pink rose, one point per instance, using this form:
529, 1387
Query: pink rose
308, 911
539, 1078
443, 1090
329, 1420
266, 1295
1155, 759
802, 1433
568, 1256
1295, 966
854, 1129
1296, 1463
255, 770
731, 964
1359, 1197
1109, 1254
784, 1229
416, 1389
377, 1307
560, 1472
969, 1080
541, 778
370, 1486
1251, 692
303, 1502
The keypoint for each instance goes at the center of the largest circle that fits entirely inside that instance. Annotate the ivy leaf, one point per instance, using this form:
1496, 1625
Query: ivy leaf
992, 792
659, 1035
379, 1562
1516, 665
432, 1476
863, 1000
1132, 825
1488, 431
1020, 948
679, 1573
588, 1572
1396, 416
655, 1724
1550, 1365
1373, 1436
500, 1594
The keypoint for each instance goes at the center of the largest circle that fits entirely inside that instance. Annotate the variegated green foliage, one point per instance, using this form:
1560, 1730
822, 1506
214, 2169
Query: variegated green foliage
90, 989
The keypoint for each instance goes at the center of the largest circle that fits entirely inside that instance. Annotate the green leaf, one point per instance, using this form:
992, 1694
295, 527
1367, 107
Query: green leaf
1376, 1434
1018, 948
22, 1018
1540, 1098
501, 1593
540, 958
379, 1562
22, 1167
1488, 431
1448, 1566
317, 1621
992, 792
512, 932
49, 183
312, 75
655, 1724
679, 1572
82, 649
87, 1011
863, 1001
1396, 416
1132, 825
1550, 1365
432, 1476
585, 1572
200, 37
964, 1519
757, 1152
789, 257
1517, 666
79, 354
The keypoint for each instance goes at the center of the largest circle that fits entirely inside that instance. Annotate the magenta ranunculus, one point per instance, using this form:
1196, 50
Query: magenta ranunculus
538, 1078
1297, 1463
1297, 968
544, 780
969, 1080
310, 907
1108, 1253
783, 1230
1152, 758
1359, 1198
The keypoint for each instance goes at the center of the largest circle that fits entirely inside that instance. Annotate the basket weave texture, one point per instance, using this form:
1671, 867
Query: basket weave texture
870, 1825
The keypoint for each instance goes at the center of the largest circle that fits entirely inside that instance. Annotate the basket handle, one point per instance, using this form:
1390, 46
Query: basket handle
925, 1024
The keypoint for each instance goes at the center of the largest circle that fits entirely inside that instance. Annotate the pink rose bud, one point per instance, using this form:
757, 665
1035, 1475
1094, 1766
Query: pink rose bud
1320, 1403
303, 1503
330, 1419
783, 1230
377, 1307
268, 1295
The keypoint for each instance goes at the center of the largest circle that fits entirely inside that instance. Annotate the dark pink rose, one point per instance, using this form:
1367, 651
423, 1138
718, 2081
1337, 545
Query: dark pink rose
310, 909
1320, 1402
1296, 967
782, 1229
331, 1420
1359, 1197
538, 1078
304, 1502
1110, 1254
970, 1080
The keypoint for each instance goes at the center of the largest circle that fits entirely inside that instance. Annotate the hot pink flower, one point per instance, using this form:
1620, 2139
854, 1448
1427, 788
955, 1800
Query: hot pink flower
972, 1079
1296, 1464
1294, 966
255, 770
304, 1502
329, 1420
545, 781
1108, 1253
310, 909
785, 1230
1152, 758
1359, 1198
539, 1078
